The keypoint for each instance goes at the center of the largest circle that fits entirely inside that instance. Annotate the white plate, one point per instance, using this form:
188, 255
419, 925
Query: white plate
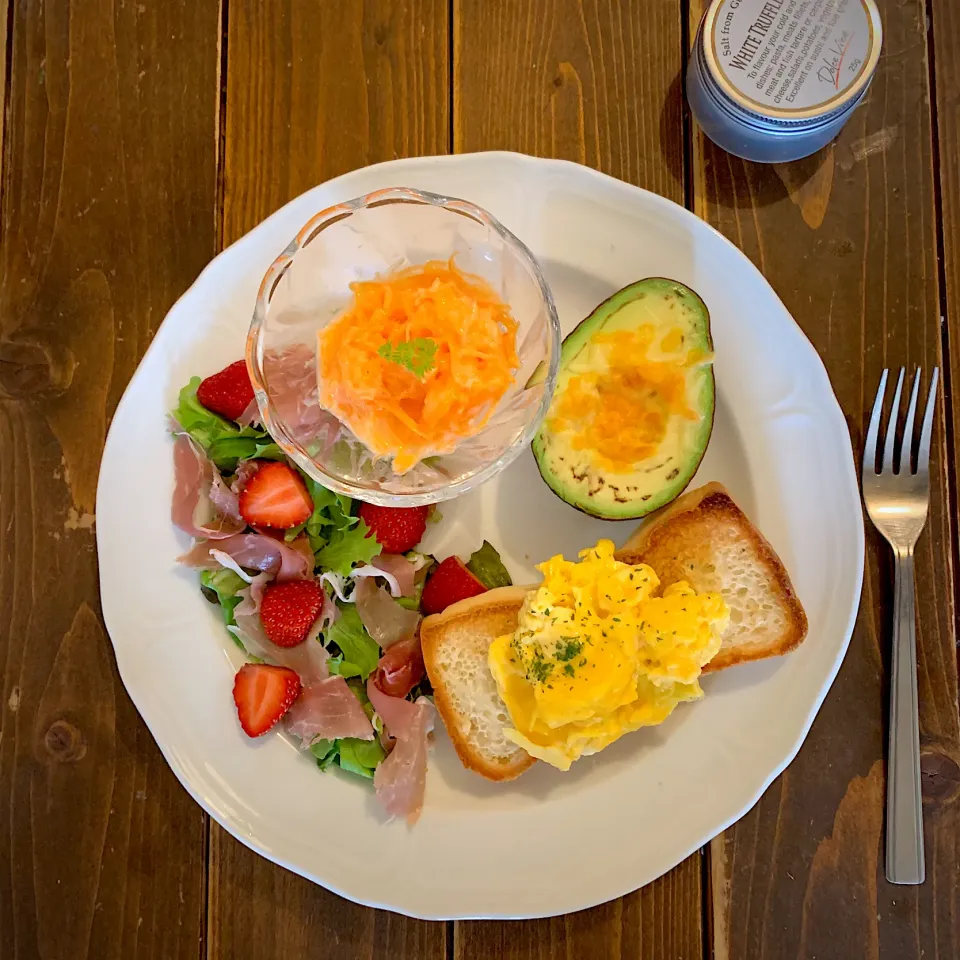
548, 843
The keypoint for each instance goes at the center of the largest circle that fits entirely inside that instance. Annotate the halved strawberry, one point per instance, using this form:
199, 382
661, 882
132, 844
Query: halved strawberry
263, 694
228, 392
397, 529
288, 610
450, 582
275, 496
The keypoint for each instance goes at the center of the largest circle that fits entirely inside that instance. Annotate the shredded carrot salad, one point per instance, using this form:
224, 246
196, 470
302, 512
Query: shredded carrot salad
418, 361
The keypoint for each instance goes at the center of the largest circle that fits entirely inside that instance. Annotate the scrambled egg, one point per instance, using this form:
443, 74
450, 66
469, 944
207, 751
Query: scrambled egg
596, 654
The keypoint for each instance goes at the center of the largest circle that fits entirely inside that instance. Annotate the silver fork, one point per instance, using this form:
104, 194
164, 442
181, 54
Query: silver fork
897, 499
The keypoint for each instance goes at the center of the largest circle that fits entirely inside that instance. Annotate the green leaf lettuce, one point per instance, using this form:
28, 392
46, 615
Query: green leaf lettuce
347, 547
360, 651
224, 585
224, 441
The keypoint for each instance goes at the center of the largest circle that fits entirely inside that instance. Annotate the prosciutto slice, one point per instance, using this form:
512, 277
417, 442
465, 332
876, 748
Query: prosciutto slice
251, 595
241, 476
292, 374
255, 551
400, 779
307, 659
198, 508
401, 668
396, 713
250, 416
328, 709
386, 621
400, 568
224, 500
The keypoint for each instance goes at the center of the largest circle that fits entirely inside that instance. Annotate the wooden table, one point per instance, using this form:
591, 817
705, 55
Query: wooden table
142, 136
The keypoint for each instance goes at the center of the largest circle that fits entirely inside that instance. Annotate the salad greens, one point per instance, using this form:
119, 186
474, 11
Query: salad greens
343, 668
360, 652
340, 540
485, 564
357, 756
347, 547
223, 440
360, 756
228, 451
223, 586
331, 512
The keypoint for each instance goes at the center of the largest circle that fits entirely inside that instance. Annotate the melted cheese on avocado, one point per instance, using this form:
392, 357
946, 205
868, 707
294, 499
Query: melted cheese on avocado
620, 395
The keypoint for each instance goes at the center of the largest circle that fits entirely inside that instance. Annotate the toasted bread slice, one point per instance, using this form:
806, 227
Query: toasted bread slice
704, 538
455, 645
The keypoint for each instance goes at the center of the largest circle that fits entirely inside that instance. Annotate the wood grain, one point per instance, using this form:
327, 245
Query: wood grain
589, 81
4, 50
662, 920
848, 240
315, 90
946, 49
945, 39
107, 215
596, 83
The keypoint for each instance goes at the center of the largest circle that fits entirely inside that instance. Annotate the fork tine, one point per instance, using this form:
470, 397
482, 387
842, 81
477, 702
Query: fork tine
887, 466
906, 447
873, 430
923, 453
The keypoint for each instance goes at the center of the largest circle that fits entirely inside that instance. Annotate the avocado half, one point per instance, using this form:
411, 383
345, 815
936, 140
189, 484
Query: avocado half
574, 474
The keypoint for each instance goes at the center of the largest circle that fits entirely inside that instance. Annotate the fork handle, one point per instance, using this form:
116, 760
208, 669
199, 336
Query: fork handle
904, 806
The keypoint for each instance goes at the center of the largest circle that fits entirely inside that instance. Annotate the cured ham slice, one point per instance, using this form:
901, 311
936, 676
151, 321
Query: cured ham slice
386, 621
308, 659
402, 570
401, 668
194, 510
400, 779
328, 709
255, 551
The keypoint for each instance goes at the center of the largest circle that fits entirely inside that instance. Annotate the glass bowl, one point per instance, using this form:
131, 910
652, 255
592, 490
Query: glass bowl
308, 286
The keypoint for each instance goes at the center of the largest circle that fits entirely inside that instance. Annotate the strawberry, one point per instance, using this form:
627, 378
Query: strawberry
263, 694
288, 610
397, 529
275, 496
450, 582
228, 392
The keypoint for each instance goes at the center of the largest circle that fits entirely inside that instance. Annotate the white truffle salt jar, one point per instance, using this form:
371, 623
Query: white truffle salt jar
775, 80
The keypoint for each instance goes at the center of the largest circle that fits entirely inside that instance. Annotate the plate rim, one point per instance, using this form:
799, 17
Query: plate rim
831, 408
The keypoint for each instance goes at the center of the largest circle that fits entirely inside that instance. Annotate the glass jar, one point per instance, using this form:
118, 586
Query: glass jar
775, 80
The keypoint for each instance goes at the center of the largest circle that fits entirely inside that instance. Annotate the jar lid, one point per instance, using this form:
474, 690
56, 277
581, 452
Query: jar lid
791, 61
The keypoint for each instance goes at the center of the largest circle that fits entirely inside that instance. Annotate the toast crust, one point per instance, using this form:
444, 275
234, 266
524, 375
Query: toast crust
494, 605
712, 504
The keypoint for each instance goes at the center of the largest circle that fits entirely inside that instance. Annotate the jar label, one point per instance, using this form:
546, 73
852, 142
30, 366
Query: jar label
792, 54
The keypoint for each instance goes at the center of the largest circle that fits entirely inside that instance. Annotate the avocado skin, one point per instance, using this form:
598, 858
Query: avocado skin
640, 508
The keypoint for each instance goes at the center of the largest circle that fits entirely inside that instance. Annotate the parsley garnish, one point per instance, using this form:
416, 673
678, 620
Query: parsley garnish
568, 648
540, 669
568, 669
415, 355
